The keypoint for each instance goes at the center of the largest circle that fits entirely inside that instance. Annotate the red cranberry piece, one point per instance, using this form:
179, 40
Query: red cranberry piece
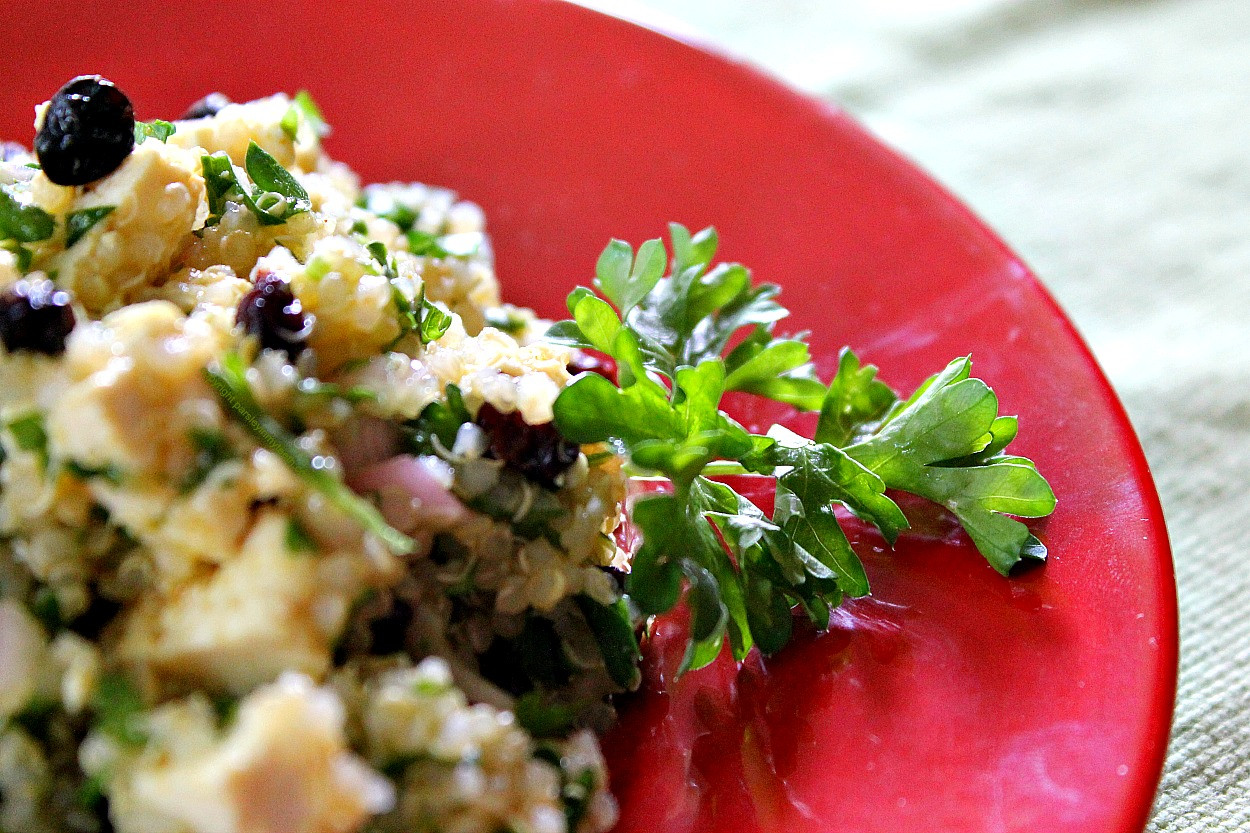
88, 131
36, 317
272, 313
536, 451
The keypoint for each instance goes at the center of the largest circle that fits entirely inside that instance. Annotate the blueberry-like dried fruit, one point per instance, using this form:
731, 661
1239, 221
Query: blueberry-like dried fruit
88, 131
209, 105
271, 312
35, 317
536, 451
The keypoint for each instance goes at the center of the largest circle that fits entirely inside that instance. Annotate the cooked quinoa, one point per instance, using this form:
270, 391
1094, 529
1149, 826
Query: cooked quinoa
289, 542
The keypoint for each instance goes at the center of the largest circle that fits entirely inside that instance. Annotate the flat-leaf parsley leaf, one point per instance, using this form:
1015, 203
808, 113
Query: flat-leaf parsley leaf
740, 571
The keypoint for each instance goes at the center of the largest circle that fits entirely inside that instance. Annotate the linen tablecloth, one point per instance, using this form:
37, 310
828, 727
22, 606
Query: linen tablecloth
1109, 144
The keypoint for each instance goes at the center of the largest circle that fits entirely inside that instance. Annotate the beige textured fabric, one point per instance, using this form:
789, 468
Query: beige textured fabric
1109, 144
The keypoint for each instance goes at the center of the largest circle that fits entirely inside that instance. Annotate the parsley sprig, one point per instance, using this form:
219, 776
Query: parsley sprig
741, 571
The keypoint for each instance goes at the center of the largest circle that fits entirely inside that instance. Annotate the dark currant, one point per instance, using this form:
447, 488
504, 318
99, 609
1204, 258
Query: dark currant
35, 317
209, 105
536, 451
272, 313
88, 131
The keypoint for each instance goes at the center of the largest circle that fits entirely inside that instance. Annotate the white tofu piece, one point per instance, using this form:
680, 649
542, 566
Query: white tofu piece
240, 627
158, 196
283, 767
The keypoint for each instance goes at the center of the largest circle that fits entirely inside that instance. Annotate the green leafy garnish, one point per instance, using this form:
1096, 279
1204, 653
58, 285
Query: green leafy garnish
156, 129
424, 244
438, 421
740, 571
45, 607
423, 317
544, 719
211, 450
298, 539
277, 195
23, 223
108, 473
614, 631
505, 321
303, 108
78, 223
290, 122
946, 444
229, 380
119, 709
30, 435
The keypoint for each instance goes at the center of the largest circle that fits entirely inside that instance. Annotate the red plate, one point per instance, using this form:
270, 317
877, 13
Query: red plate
953, 700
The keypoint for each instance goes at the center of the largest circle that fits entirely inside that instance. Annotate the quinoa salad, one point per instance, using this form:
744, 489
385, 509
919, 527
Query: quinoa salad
198, 635
304, 530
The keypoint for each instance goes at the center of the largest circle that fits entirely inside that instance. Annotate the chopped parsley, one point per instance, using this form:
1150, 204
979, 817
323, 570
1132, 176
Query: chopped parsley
303, 109
229, 380
211, 450
423, 317
30, 435
108, 473
298, 539
78, 223
276, 197
155, 129
506, 321
23, 223
119, 709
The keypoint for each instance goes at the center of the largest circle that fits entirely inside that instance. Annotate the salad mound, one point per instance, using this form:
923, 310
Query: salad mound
306, 531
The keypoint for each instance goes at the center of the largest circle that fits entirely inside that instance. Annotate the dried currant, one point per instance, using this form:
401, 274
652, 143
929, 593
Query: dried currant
209, 105
389, 632
88, 131
36, 317
271, 312
536, 451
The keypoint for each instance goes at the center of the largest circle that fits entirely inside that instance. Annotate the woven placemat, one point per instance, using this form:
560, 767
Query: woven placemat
1108, 143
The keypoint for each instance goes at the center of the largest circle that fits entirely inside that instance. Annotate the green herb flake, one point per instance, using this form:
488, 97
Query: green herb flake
30, 435
229, 381
155, 129
22, 255
212, 448
119, 710
23, 223
78, 223
290, 122
424, 244
91, 794
311, 113
299, 540
277, 196
45, 607
108, 473
544, 719
506, 321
